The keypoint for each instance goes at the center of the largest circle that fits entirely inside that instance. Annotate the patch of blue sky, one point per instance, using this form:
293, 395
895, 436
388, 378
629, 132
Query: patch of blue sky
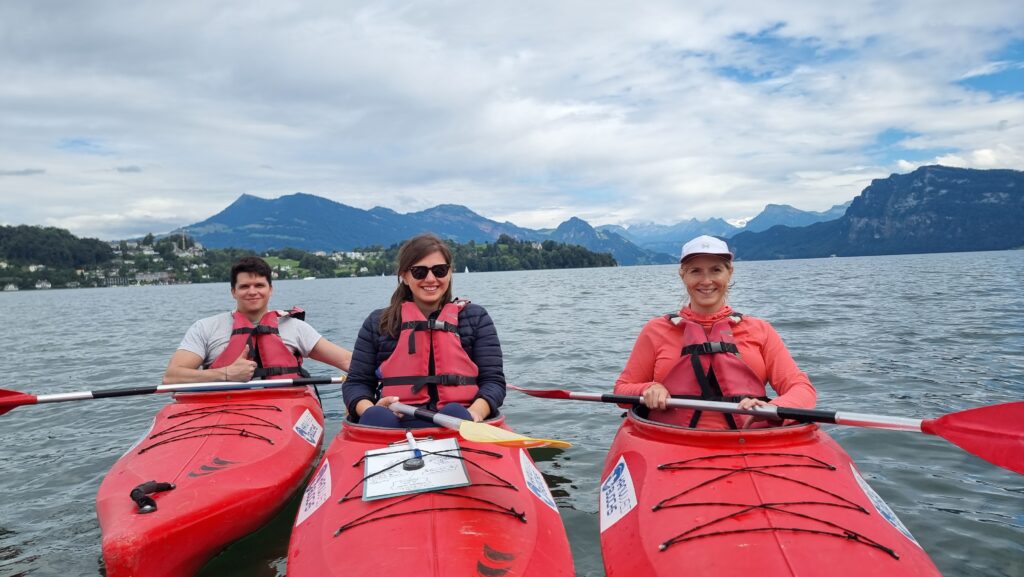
1004, 76
771, 54
82, 146
574, 187
890, 146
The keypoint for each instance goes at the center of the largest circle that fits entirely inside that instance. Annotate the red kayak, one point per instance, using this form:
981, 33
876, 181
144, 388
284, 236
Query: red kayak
786, 501
503, 523
233, 458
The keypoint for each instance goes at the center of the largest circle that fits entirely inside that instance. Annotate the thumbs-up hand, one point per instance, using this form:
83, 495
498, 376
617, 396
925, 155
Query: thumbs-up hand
242, 369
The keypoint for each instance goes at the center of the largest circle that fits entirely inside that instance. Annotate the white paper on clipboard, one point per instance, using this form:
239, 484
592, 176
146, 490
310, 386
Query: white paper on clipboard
443, 468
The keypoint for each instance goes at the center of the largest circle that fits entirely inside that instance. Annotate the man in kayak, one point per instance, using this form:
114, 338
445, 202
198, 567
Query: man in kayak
425, 348
252, 341
710, 351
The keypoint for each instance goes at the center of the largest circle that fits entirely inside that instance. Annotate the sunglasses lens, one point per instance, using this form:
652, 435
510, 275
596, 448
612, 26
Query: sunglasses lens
419, 272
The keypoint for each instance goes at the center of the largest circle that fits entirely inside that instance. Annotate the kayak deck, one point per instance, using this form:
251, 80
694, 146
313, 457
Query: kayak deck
234, 459
504, 523
783, 502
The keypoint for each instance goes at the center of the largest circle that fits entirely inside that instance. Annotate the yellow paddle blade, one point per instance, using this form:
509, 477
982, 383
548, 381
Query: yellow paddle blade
484, 433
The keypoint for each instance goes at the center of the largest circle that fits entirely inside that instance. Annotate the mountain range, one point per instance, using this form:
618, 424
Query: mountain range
934, 208
312, 223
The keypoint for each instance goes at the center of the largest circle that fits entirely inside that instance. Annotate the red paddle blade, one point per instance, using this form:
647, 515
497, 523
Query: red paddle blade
542, 393
994, 433
12, 399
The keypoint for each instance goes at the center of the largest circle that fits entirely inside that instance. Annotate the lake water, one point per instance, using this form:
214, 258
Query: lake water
914, 335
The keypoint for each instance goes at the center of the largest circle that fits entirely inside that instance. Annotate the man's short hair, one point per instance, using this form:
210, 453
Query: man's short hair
252, 265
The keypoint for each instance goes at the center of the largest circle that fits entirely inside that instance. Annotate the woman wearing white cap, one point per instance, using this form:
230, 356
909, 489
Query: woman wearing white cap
710, 351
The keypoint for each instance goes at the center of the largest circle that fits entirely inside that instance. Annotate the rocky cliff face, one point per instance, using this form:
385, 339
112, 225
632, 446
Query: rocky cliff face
933, 209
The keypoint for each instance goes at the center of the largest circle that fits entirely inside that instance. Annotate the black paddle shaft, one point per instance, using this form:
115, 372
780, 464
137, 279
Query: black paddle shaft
799, 415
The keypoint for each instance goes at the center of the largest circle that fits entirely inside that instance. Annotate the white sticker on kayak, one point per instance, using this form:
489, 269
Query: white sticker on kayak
535, 481
317, 493
882, 507
308, 428
618, 496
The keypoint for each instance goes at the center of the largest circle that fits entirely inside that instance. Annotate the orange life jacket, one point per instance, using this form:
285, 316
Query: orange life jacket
273, 358
407, 373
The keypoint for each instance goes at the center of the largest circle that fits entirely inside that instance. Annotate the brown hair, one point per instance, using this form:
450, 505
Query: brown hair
411, 252
252, 265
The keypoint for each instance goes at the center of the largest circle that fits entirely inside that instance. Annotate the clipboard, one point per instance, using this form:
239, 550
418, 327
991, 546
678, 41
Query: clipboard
443, 468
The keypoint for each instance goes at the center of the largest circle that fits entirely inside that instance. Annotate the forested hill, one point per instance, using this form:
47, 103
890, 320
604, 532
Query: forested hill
52, 247
508, 253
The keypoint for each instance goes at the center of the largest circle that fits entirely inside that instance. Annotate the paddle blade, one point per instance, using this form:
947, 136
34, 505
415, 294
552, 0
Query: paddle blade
484, 433
994, 433
12, 399
542, 393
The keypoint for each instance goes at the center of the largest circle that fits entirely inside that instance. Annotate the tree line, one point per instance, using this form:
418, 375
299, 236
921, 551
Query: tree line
52, 247
70, 261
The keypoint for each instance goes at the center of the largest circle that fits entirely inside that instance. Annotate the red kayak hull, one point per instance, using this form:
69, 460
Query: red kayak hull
456, 532
781, 502
235, 458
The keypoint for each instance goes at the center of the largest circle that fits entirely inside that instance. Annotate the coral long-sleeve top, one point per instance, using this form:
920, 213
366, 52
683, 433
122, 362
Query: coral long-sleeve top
658, 346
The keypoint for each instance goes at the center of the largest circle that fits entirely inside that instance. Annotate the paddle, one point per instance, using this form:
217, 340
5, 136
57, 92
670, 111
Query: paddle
478, 432
994, 433
10, 400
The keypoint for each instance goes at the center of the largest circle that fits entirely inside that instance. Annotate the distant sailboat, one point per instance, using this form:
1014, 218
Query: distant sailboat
467, 269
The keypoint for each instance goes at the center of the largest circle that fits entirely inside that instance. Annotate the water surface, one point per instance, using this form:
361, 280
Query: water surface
913, 335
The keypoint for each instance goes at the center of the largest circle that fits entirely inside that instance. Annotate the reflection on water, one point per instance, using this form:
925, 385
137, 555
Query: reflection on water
916, 335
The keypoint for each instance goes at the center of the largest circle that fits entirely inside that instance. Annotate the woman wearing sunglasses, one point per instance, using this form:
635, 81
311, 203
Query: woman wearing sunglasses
425, 348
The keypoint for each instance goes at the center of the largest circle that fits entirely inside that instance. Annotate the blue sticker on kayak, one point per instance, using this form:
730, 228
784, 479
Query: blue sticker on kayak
618, 496
316, 494
308, 428
882, 507
535, 481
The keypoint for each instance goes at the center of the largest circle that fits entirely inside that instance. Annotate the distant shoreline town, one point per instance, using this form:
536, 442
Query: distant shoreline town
180, 259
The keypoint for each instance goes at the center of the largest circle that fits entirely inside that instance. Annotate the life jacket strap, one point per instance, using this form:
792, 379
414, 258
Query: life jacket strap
427, 325
419, 382
264, 372
710, 348
431, 325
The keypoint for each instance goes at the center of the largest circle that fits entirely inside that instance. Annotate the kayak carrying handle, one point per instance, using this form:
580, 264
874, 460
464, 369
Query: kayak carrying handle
140, 495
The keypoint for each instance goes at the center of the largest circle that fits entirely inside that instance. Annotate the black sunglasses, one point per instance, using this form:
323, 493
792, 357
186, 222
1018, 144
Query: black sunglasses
420, 272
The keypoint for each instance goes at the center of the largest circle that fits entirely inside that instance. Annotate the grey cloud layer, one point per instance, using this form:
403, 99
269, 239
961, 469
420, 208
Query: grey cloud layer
156, 114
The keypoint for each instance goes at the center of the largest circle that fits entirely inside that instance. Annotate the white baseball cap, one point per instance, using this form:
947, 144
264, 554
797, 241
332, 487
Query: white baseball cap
705, 244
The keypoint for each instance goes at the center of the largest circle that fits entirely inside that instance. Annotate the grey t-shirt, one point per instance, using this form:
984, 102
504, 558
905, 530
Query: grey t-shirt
209, 337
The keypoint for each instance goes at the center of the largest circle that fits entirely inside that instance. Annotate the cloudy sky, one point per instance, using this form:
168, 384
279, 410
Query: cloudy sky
122, 118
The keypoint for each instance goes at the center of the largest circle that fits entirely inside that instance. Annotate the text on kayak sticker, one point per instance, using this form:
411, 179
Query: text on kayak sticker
535, 481
317, 493
308, 428
882, 507
618, 496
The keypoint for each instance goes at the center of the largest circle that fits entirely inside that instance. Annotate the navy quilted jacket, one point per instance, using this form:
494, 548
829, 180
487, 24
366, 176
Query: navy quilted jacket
479, 339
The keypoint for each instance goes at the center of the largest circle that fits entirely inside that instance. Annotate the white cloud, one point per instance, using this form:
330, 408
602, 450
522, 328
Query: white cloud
531, 112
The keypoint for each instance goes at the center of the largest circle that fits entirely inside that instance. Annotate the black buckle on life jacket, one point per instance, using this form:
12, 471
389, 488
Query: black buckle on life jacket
710, 348
455, 380
258, 329
264, 372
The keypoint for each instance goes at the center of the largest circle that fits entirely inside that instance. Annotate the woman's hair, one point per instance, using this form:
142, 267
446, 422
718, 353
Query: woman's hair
412, 251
